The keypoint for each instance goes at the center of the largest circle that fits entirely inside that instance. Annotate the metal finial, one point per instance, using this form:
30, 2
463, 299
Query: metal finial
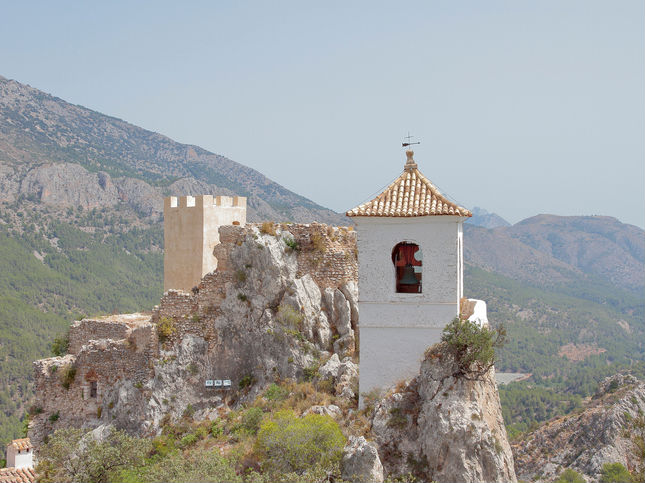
409, 143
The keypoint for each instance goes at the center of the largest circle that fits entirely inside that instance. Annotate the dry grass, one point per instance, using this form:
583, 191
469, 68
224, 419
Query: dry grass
268, 228
318, 242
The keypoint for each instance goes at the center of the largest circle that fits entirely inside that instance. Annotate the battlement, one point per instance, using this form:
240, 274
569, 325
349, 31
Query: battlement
191, 225
204, 201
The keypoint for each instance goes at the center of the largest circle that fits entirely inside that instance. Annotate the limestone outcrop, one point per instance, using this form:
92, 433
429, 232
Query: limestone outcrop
611, 429
263, 315
443, 427
361, 462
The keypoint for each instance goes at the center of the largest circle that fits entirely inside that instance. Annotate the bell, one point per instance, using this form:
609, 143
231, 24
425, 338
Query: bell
408, 277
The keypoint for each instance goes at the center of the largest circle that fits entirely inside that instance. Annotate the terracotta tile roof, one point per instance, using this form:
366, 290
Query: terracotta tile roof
411, 194
17, 475
21, 444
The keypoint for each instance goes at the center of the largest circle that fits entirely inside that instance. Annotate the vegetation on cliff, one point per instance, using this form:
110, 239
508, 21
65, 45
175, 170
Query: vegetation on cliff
265, 441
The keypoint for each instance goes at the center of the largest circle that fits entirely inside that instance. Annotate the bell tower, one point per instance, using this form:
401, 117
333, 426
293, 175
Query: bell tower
410, 275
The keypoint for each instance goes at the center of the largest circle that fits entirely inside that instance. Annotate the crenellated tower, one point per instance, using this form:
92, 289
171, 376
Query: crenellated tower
191, 225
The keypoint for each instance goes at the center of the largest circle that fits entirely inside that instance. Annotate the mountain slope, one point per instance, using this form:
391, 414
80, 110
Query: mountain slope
37, 129
548, 250
485, 219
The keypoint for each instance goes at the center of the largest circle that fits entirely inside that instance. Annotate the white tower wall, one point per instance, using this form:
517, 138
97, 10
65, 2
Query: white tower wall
397, 328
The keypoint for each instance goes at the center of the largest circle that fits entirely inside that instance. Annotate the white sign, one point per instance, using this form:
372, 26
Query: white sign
209, 383
227, 383
218, 383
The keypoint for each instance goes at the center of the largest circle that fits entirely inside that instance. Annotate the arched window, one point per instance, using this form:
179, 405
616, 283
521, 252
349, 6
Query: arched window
407, 265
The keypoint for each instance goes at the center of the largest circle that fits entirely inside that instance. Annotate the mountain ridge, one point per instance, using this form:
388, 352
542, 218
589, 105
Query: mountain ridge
37, 128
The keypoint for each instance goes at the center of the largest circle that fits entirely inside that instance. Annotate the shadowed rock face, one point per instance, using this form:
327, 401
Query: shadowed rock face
442, 427
609, 430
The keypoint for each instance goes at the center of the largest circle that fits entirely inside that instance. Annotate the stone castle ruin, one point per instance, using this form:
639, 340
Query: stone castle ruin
249, 304
282, 299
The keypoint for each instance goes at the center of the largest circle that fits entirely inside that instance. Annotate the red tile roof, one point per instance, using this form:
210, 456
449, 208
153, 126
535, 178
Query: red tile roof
17, 475
411, 194
21, 444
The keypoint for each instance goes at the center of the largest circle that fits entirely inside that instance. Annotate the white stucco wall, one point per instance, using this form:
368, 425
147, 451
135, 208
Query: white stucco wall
24, 459
397, 328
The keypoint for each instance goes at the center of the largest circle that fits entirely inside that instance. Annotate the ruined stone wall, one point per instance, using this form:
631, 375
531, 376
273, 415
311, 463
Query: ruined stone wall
82, 331
327, 253
104, 352
116, 327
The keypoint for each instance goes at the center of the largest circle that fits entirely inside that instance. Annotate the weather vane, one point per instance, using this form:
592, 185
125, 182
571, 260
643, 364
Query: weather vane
409, 143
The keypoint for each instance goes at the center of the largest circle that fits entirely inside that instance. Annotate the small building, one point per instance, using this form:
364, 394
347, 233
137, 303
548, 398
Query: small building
191, 225
20, 462
20, 454
410, 258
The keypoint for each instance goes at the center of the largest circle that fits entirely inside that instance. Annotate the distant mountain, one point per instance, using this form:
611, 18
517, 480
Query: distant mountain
483, 218
68, 155
550, 250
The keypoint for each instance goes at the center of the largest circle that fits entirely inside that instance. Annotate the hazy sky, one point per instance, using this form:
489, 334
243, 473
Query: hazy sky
521, 107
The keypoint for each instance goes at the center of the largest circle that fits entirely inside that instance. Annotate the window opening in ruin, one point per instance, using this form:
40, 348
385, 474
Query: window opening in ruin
408, 263
93, 389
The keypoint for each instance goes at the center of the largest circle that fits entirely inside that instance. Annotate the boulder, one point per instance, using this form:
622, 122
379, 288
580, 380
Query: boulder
331, 410
361, 462
342, 314
330, 368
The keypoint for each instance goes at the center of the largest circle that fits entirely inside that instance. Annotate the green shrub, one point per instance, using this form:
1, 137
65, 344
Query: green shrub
309, 373
276, 393
217, 429
165, 328
570, 476
188, 440
196, 465
247, 381
397, 419
615, 473
292, 244
54, 416
189, 411
60, 345
288, 444
251, 419
240, 276
67, 375
472, 346
69, 456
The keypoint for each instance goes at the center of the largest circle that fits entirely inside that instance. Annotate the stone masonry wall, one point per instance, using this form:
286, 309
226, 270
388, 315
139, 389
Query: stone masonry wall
102, 352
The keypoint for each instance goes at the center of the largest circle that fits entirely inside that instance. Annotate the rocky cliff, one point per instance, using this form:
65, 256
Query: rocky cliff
609, 429
444, 427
